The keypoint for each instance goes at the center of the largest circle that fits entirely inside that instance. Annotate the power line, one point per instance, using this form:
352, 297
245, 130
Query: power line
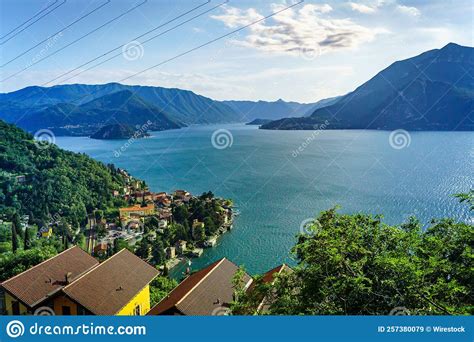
25, 22
60, 31
23, 29
142, 43
211, 41
120, 46
74, 41
200, 46
104, 54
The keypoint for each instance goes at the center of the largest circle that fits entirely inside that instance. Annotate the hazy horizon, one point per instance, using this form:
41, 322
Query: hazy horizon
315, 50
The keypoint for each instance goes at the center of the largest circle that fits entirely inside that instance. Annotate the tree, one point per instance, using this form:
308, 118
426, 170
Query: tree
13, 264
199, 234
160, 287
468, 198
210, 226
181, 232
143, 249
16, 229
98, 215
180, 214
120, 244
80, 240
357, 265
157, 252
27, 240
15, 240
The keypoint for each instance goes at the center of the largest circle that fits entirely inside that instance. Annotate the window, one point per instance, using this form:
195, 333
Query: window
66, 311
137, 310
15, 308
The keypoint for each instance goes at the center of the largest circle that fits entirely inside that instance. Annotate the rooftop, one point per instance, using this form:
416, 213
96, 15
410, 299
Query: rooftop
108, 287
202, 292
37, 283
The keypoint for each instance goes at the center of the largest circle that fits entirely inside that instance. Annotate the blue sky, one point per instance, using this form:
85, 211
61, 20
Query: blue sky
314, 50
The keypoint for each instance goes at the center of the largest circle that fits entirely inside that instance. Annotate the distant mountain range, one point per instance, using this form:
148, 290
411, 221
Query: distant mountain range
432, 91
251, 110
80, 109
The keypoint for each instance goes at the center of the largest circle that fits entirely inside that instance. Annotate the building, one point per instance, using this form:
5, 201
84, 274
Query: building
101, 249
75, 283
182, 195
45, 232
211, 242
170, 252
269, 278
180, 246
207, 292
126, 213
21, 179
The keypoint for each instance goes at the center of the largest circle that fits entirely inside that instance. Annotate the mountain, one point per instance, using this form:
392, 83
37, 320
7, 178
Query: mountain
432, 91
118, 131
180, 106
322, 103
258, 122
250, 110
122, 107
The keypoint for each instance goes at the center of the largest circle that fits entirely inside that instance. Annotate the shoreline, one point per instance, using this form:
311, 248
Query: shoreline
225, 228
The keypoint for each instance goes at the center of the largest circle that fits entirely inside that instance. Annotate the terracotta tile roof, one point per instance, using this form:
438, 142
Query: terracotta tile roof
270, 275
108, 287
34, 285
202, 293
138, 208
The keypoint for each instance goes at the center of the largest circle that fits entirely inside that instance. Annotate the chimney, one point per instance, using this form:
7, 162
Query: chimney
68, 277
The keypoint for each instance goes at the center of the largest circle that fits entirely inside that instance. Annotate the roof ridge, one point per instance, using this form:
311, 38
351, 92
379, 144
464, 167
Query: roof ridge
200, 281
92, 269
42, 262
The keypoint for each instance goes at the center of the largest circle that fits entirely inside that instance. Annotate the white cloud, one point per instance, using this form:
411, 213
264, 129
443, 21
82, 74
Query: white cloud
409, 10
362, 8
234, 17
306, 31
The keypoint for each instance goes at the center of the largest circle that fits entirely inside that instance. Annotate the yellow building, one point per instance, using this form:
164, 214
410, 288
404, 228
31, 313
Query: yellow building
74, 283
46, 232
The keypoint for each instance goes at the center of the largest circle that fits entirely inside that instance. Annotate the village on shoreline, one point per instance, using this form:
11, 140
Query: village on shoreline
154, 216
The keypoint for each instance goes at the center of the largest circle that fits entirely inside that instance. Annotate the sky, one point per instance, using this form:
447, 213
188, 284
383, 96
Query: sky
311, 51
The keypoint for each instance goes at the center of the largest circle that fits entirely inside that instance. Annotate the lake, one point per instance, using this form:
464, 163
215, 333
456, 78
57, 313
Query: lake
278, 179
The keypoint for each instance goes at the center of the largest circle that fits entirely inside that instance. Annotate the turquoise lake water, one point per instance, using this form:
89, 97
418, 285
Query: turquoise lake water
277, 179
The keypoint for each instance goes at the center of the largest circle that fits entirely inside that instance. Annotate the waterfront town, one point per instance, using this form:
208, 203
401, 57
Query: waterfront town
119, 252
